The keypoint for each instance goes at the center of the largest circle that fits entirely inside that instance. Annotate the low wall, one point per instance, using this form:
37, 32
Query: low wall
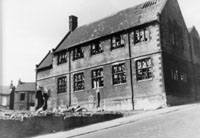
49, 124
175, 100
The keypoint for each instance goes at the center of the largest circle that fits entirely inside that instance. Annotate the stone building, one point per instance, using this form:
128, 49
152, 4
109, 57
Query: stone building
195, 50
24, 96
139, 58
6, 96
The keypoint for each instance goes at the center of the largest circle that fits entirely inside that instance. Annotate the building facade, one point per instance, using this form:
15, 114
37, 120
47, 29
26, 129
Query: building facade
24, 96
6, 97
139, 58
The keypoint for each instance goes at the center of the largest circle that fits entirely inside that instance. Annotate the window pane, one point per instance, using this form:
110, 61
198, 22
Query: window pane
97, 79
144, 69
62, 84
119, 74
78, 82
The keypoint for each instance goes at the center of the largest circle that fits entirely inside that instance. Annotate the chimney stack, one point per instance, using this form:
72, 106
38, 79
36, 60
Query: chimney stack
19, 82
73, 23
11, 85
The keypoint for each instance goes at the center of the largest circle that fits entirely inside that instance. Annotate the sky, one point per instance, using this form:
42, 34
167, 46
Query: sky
30, 28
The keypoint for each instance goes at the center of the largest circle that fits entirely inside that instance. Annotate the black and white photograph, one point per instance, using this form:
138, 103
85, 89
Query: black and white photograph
99, 69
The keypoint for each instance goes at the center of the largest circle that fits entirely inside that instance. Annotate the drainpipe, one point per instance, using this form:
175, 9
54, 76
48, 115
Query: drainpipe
35, 102
69, 78
28, 101
131, 69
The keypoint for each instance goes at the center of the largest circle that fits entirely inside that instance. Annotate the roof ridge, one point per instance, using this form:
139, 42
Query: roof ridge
112, 14
122, 20
26, 82
43, 58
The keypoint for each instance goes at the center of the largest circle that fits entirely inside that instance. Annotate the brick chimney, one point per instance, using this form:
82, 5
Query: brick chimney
19, 82
11, 85
73, 23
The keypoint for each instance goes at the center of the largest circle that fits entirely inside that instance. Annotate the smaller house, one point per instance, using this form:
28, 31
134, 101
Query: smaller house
24, 96
6, 96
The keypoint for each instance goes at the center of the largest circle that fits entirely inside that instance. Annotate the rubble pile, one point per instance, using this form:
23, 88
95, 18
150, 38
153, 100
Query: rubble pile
60, 111
15, 115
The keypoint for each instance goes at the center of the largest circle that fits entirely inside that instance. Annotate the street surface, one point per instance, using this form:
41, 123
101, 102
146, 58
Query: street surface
184, 123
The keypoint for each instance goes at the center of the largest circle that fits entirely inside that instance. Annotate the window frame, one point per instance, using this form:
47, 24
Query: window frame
62, 88
196, 43
141, 31
78, 82
118, 44
78, 53
62, 58
148, 69
98, 48
178, 72
22, 97
175, 34
99, 78
121, 73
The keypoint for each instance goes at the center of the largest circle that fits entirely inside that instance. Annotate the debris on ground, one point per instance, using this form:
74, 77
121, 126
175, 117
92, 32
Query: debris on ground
60, 111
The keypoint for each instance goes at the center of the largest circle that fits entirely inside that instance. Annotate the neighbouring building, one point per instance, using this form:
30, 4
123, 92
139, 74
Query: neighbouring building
195, 50
143, 57
24, 95
6, 97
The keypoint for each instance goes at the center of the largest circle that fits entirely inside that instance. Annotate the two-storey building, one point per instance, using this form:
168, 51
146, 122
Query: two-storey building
24, 96
139, 58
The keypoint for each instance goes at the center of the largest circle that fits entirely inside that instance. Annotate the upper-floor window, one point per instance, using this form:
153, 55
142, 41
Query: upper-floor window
78, 81
119, 74
141, 35
175, 34
117, 41
77, 53
144, 69
97, 78
196, 42
96, 48
62, 84
62, 58
22, 96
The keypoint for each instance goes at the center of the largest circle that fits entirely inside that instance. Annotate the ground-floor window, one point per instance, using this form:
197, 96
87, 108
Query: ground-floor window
62, 84
119, 74
22, 96
78, 81
97, 78
144, 69
178, 72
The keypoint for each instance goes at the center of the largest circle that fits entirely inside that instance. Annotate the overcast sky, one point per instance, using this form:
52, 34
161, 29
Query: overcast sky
33, 27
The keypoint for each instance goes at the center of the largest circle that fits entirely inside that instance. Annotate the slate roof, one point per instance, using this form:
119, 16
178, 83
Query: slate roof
5, 90
131, 17
46, 62
193, 31
26, 87
190, 29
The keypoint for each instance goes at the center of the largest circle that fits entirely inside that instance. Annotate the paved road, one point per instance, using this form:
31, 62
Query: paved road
177, 124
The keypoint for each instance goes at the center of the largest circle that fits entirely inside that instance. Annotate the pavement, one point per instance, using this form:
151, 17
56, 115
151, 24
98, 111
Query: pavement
117, 122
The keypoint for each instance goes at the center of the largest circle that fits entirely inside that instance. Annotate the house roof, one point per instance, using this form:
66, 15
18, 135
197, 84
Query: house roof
46, 62
190, 29
25, 87
193, 31
128, 18
5, 90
